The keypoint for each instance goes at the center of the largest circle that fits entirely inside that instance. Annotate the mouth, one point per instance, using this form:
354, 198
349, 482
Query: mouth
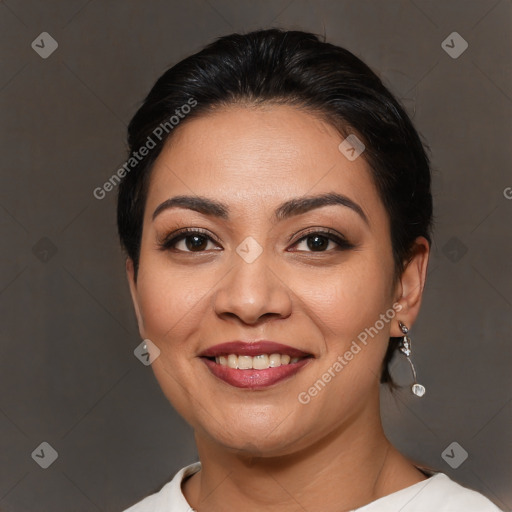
254, 365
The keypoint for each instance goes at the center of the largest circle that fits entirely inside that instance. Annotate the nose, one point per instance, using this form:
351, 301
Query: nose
252, 292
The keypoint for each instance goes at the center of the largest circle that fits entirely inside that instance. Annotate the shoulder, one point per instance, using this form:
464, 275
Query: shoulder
439, 493
455, 494
444, 492
169, 494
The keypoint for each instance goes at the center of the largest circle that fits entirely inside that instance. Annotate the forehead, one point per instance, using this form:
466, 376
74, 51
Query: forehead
253, 156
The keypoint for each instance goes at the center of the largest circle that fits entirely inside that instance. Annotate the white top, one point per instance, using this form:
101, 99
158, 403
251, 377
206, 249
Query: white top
436, 494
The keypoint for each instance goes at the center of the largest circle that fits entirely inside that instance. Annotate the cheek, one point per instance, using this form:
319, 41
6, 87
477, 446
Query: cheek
347, 306
351, 298
171, 309
168, 302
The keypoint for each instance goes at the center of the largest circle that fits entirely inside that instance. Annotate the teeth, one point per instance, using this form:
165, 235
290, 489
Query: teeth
274, 360
245, 362
259, 362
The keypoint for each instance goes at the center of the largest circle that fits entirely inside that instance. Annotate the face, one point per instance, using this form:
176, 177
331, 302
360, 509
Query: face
312, 275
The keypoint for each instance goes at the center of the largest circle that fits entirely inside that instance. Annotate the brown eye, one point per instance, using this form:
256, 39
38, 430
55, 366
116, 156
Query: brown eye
196, 242
322, 241
317, 242
188, 241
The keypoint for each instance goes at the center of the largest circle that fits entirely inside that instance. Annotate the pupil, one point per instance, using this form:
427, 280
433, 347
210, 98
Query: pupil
317, 242
196, 242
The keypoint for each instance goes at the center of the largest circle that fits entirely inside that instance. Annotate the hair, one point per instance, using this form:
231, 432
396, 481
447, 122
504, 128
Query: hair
297, 69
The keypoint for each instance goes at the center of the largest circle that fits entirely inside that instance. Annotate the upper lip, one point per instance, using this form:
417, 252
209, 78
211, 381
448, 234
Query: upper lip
255, 348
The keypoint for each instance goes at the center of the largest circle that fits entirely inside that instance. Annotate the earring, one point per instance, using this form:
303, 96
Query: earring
406, 349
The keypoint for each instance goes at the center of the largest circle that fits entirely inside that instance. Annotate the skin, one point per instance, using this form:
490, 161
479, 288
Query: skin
264, 448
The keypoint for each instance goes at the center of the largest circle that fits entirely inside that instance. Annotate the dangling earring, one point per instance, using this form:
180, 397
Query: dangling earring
406, 349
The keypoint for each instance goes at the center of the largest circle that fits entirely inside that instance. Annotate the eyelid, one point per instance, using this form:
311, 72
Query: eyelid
332, 235
172, 238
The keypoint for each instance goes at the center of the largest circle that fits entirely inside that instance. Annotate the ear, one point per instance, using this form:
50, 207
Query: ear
411, 284
130, 274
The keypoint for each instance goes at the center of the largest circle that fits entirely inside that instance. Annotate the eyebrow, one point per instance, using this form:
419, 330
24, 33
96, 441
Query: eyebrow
198, 204
286, 210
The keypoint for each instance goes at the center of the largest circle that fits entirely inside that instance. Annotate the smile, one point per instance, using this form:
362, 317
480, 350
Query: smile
259, 362
254, 365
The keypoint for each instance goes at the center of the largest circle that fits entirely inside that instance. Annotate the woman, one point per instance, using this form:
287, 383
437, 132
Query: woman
276, 215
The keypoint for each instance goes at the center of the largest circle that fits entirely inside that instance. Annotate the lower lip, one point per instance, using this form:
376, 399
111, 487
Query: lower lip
254, 379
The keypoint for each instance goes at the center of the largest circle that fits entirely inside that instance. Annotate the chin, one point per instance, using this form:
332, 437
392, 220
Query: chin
254, 448
265, 438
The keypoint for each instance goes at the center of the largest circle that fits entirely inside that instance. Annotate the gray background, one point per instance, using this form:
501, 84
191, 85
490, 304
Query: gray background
68, 374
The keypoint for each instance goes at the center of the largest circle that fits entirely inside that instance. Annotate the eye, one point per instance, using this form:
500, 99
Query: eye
188, 240
322, 241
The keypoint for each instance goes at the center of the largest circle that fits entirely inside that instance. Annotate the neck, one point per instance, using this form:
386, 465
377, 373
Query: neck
352, 466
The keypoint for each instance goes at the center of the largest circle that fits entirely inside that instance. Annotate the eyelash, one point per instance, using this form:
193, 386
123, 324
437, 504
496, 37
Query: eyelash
171, 240
174, 238
342, 243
